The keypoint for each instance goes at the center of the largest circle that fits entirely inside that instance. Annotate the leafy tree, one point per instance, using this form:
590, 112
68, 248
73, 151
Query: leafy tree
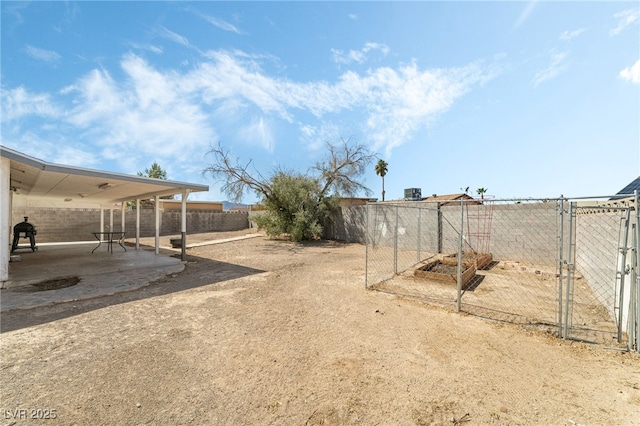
155, 171
296, 204
481, 192
381, 170
296, 207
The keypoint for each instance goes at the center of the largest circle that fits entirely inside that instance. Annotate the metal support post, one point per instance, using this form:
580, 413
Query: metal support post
419, 235
137, 224
367, 239
439, 228
395, 243
569, 263
637, 249
460, 238
632, 318
560, 263
623, 272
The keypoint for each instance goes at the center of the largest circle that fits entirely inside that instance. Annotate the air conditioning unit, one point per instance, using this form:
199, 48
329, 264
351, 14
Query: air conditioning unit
413, 194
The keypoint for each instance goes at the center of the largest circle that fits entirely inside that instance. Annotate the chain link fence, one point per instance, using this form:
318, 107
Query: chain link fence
566, 266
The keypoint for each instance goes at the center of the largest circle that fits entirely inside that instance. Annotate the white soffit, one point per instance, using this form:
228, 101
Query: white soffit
57, 185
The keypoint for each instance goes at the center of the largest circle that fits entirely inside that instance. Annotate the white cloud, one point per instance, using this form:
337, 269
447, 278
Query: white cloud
569, 35
150, 47
42, 54
148, 113
160, 114
221, 24
99, 97
632, 73
395, 103
353, 16
359, 56
524, 15
73, 156
557, 67
175, 37
19, 103
625, 19
258, 131
315, 137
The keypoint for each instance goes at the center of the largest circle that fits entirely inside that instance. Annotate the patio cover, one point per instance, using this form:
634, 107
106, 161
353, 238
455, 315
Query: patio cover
57, 185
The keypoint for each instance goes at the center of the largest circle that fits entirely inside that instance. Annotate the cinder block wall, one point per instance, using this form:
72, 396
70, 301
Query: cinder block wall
523, 232
598, 257
62, 224
58, 224
348, 224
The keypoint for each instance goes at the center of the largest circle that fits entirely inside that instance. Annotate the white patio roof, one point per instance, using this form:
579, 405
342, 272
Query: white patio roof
55, 184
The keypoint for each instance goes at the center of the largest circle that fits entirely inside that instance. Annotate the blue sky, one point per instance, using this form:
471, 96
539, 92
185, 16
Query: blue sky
526, 99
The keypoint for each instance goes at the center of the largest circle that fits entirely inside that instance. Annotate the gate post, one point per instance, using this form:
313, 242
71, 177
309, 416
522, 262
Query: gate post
636, 315
439, 228
560, 264
395, 242
460, 238
419, 234
569, 269
367, 207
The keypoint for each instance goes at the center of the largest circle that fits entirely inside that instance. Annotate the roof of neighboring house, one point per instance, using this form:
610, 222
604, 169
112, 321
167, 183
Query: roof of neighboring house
448, 197
629, 189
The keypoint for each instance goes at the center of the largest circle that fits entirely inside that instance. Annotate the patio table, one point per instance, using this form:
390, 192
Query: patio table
109, 237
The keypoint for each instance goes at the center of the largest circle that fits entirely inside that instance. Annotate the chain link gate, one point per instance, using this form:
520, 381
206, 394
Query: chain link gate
600, 296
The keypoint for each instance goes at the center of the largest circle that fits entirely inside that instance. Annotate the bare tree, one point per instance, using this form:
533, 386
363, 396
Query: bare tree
345, 163
336, 174
296, 204
236, 178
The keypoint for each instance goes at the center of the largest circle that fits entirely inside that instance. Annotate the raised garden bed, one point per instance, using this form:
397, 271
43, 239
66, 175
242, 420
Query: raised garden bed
439, 271
477, 260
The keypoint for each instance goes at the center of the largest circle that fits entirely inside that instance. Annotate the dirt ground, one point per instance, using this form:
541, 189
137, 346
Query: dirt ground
268, 332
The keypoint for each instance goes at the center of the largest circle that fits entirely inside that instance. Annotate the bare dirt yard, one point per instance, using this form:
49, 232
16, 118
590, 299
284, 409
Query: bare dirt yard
268, 332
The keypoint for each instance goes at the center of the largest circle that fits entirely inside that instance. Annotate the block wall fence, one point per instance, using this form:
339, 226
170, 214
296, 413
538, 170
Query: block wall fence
63, 224
525, 232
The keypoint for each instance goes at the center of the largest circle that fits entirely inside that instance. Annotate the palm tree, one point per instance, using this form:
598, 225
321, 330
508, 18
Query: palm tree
481, 192
381, 170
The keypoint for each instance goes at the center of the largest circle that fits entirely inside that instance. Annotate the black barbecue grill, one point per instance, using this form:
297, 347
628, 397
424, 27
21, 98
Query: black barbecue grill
24, 230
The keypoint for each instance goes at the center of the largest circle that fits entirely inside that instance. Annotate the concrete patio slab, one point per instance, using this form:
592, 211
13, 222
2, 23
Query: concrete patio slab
100, 274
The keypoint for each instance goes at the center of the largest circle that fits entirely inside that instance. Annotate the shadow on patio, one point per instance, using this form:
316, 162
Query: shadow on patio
104, 279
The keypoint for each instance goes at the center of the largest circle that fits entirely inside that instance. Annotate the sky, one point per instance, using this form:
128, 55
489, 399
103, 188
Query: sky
524, 99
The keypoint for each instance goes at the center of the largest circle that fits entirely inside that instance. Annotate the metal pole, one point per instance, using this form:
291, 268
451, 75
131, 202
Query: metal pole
366, 246
123, 206
157, 232
439, 228
395, 243
137, 224
637, 241
632, 341
101, 223
460, 237
623, 250
183, 225
565, 334
560, 265
6, 201
419, 234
